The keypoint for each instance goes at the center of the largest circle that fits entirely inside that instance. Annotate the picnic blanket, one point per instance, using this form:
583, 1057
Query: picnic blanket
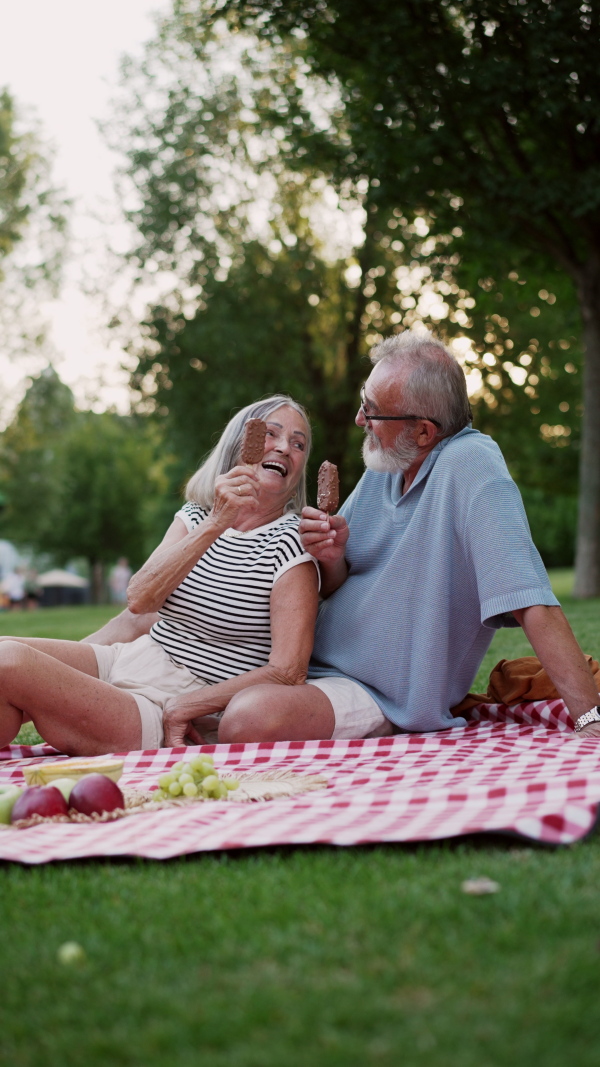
515, 770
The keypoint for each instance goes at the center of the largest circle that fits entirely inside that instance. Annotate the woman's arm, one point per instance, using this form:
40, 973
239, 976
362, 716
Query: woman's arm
124, 627
168, 565
179, 550
294, 601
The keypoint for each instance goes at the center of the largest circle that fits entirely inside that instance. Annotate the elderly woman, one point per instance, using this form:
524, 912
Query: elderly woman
236, 597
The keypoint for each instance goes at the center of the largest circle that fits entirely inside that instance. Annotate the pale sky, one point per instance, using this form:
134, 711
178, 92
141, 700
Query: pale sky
60, 60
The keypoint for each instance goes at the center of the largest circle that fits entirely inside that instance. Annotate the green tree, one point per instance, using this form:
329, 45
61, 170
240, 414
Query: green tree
30, 461
258, 307
109, 482
483, 114
32, 230
78, 484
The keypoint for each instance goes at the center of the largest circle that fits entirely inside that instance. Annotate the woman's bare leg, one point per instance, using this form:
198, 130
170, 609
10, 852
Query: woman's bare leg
277, 713
74, 654
73, 711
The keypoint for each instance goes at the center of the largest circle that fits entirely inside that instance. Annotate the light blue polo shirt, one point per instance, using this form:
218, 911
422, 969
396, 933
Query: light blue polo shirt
432, 574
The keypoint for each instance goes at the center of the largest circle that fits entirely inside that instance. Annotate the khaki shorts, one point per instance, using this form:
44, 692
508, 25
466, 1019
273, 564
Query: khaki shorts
356, 713
144, 669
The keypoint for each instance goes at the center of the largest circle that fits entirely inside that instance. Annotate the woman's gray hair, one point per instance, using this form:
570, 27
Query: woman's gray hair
226, 453
435, 383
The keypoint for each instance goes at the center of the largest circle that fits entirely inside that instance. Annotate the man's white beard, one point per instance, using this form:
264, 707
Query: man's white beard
389, 460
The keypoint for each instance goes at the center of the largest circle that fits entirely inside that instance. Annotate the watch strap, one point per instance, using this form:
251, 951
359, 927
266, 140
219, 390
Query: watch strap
593, 715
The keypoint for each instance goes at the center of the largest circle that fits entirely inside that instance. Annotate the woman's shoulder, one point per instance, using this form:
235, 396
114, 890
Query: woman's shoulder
283, 530
288, 523
191, 514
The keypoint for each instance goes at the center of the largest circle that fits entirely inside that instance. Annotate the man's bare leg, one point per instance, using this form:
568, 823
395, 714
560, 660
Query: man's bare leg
277, 713
72, 710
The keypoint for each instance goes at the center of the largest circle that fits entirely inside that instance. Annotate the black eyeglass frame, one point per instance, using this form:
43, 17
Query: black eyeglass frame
393, 418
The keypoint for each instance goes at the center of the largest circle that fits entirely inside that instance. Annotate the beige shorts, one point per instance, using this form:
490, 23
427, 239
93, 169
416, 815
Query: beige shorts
356, 713
144, 669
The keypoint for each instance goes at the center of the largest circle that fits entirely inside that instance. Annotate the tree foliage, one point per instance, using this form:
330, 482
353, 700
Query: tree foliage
481, 113
229, 144
33, 224
78, 484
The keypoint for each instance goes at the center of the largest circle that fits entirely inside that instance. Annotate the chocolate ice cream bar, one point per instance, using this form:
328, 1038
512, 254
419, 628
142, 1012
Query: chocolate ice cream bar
253, 445
328, 487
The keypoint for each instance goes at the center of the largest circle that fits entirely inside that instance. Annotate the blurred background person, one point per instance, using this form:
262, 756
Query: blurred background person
119, 580
13, 585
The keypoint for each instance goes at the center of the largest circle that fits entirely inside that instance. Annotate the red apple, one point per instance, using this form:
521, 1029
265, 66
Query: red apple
39, 800
96, 793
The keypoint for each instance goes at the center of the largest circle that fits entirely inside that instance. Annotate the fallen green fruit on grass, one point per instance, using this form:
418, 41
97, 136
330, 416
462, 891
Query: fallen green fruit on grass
71, 954
8, 795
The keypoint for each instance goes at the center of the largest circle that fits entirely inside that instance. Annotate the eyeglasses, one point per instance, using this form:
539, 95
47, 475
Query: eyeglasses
392, 418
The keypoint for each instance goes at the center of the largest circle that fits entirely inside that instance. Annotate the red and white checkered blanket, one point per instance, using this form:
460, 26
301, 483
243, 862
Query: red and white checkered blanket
511, 769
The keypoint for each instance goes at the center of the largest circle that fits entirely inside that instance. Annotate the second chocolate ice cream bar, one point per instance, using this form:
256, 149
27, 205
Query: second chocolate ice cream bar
328, 487
253, 444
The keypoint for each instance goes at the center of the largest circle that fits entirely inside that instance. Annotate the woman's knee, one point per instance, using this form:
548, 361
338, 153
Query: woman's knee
246, 717
14, 657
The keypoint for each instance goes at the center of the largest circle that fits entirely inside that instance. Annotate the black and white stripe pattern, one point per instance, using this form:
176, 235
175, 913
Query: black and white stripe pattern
217, 622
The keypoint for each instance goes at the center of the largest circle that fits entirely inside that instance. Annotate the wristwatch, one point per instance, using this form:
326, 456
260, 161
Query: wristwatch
593, 715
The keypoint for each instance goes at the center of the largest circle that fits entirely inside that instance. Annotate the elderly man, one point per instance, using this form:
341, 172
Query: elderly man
428, 556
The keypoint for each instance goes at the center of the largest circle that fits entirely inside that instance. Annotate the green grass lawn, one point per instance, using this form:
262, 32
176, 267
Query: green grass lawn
307, 957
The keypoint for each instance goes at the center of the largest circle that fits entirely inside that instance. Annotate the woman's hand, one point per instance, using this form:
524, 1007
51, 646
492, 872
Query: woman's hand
178, 716
236, 496
293, 612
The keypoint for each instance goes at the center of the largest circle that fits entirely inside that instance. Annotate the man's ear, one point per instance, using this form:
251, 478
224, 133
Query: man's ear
427, 433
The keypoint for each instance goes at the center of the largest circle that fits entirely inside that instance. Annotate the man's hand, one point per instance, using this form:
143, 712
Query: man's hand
591, 730
178, 724
324, 536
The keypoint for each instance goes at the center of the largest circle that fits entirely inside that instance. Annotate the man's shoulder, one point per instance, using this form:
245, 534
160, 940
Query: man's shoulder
472, 454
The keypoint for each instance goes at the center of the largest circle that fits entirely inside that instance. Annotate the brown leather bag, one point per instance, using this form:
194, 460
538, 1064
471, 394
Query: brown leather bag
514, 681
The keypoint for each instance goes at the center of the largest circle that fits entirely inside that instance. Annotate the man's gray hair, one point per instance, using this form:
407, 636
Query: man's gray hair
435, 383
226, 453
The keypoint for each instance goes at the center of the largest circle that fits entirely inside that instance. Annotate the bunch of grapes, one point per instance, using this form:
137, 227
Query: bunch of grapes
197, 778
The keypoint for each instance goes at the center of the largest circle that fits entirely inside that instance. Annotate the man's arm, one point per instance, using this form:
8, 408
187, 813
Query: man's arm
124, 627
555, 646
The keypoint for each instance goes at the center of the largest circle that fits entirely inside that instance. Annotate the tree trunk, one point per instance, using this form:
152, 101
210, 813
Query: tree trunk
587, 561
97, 582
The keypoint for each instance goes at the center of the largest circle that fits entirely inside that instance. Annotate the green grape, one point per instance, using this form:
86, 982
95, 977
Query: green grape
174, 789
221, 791
190, 790
210, 784
196, 763
232, 783
205, 770
208, 759
177, 767
185, 779
159, 795
165, 780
